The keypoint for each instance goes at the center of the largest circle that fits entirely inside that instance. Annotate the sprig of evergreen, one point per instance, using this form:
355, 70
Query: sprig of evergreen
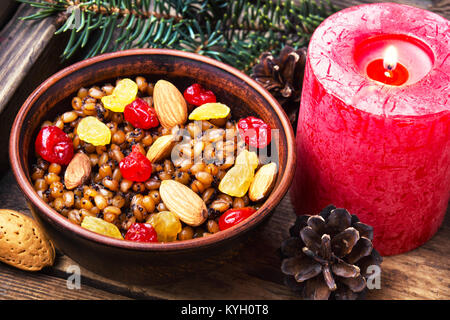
235, 32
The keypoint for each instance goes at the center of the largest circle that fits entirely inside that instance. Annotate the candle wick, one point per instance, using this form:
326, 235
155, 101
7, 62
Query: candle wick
390, 58
390, 66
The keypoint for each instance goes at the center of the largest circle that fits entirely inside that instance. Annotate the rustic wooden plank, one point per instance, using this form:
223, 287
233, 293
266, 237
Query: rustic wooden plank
29, 53
424, 4
6, 10
18, 53
441, 7
254, 273
20, 285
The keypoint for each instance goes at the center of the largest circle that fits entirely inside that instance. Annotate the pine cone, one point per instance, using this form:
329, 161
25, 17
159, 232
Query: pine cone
283, 77
327, 256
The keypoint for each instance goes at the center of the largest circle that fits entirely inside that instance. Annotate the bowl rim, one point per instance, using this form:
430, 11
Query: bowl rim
64, 225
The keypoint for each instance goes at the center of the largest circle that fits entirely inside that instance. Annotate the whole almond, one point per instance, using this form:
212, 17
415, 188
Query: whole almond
170, 105
184, 202
22, 242
160, 148
263, 182
77, 171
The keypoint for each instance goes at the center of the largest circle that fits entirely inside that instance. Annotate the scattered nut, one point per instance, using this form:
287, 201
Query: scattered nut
263, 182
184, 202
22, 242
170, 105
77, 171
161, 148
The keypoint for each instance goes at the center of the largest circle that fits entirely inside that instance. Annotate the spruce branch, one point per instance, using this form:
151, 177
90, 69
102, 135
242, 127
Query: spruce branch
235, 32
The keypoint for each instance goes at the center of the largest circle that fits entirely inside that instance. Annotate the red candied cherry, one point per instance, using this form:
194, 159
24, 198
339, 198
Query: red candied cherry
232, 217
135, 167
140, 114
255, 132
141, 232
197, 95
54, 145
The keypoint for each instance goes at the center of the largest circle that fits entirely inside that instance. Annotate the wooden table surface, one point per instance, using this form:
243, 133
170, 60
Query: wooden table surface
423, 273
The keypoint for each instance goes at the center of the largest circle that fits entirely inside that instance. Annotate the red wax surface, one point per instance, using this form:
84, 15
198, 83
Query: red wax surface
412, 53
382, 152
376, 71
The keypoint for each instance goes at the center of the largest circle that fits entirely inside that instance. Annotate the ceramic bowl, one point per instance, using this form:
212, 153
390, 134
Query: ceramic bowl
135, 262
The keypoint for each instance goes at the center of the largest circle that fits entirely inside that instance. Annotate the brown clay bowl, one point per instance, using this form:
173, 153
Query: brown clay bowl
146, 262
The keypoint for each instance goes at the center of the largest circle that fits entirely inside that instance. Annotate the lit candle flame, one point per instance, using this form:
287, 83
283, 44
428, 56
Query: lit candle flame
390, 58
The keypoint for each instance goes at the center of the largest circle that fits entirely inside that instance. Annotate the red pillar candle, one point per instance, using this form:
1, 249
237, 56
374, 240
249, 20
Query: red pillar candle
379, 149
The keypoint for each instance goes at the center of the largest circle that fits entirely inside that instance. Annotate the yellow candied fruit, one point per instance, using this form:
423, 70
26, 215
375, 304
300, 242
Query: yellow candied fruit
237, 180
250, 158
124, 93
100, 226
93, 131
207, 111
166, 224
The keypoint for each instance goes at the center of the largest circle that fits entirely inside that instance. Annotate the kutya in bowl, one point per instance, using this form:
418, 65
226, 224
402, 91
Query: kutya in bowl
134, 261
